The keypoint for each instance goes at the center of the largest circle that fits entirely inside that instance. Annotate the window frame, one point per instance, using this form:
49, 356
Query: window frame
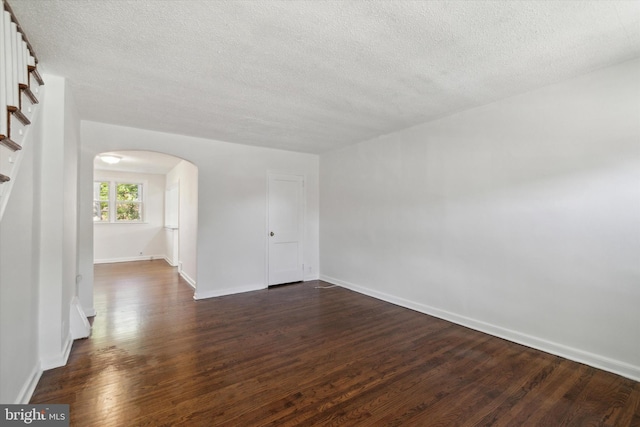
139, 202
112, 202
99, 200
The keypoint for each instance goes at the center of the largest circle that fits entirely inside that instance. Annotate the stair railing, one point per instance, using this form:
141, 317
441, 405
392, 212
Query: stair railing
19, 87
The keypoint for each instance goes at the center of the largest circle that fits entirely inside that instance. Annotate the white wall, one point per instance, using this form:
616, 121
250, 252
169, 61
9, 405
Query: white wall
232, 185
520, 218
58, 213
71, 147
116, 242
38, 247
19, 254
185, 175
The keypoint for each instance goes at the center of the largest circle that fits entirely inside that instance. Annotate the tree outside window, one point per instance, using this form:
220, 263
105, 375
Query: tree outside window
101, 201
128, 202
127, 198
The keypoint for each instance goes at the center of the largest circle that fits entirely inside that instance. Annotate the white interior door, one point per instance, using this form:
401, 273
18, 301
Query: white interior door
286, 196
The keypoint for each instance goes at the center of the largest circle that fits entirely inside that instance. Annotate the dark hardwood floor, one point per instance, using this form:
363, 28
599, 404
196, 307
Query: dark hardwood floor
301, 356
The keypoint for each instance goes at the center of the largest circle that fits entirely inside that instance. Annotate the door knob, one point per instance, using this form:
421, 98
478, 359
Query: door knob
272, 234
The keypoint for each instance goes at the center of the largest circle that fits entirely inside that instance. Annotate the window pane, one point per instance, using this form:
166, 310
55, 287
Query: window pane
101, 191
104, 191
100, 211
129, 192
128, 211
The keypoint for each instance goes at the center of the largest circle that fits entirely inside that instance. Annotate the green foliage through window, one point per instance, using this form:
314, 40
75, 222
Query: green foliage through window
127, 199
128, 192
131, 194
101, 201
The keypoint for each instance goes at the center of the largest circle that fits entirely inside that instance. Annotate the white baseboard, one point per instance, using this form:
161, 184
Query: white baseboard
597, 361
311, 277
128, 259
60, 359
170, 262
188, 279
228, 291
29, 386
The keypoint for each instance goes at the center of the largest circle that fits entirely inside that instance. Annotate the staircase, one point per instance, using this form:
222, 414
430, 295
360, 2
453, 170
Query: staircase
19, 88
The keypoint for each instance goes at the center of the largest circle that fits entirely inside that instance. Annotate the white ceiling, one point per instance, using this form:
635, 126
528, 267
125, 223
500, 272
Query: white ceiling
139, 162
313, 76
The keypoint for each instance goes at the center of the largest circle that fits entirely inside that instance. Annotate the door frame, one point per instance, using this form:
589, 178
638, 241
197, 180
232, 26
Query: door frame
303, 206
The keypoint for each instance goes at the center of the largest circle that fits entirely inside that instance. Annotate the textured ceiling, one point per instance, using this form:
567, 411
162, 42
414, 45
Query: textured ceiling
313, 76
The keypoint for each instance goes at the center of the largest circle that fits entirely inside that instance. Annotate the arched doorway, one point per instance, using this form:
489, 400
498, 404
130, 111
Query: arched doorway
145, 208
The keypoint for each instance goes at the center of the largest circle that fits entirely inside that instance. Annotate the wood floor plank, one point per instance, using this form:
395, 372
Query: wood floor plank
301, 356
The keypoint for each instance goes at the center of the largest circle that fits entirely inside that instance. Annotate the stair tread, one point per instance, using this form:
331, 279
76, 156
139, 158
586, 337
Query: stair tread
36, 75
27, 91
10, 144
19, 115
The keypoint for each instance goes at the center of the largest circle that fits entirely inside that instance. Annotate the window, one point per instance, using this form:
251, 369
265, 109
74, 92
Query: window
128, 202
100, 201
117, 201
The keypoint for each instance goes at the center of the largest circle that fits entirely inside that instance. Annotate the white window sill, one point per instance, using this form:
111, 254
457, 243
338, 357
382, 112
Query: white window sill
120, 222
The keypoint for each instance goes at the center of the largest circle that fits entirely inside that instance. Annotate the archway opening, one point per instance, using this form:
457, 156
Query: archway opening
145, 208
